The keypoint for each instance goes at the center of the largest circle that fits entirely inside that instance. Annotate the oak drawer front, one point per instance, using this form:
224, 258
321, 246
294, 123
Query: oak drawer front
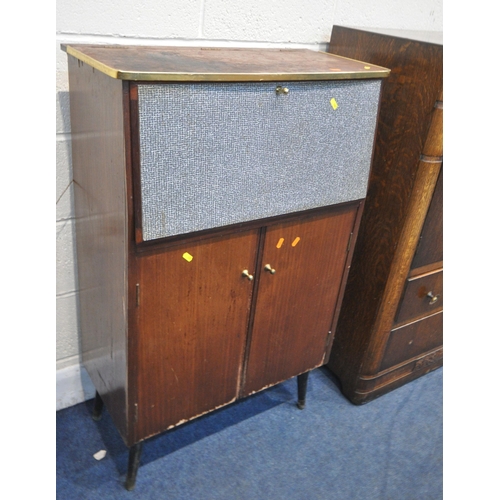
217, 154
422, 296
413, 339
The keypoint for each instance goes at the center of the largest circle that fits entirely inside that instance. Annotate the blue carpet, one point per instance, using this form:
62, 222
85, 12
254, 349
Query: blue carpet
265, 448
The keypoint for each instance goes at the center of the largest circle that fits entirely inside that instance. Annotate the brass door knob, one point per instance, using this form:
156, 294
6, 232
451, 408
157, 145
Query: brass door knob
282, 90
268, 267
247, 275
434, 298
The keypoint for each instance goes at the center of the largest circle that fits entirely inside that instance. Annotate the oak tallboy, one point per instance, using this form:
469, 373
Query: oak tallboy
390, 328
218, 194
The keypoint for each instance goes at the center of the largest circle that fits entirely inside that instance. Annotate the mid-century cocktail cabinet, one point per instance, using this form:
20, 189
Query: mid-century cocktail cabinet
390, 328
218, 194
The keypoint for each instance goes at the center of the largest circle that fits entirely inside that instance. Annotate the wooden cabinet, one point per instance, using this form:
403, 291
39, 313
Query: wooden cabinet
390, 329
215, 221
196, 352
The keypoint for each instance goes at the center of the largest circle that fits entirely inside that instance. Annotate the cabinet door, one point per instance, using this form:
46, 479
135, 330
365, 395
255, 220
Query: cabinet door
295, 304
228, 141
192, 322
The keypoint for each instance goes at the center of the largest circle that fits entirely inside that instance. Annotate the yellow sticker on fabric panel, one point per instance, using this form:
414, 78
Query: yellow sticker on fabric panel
280, 242
333, 102
295, 241
187, 256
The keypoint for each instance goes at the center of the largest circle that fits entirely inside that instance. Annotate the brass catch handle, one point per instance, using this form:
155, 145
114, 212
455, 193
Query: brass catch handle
434, 298
282, 90
247, 275
268, 267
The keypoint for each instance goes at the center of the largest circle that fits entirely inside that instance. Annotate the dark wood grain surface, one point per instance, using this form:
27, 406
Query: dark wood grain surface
430, 246
208, 63
368, 387
416, 303
421, 195
98, 159
399, 191
402, 130
413, 339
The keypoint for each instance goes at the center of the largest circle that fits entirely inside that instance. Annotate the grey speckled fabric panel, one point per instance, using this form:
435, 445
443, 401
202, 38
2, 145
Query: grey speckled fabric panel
214, 154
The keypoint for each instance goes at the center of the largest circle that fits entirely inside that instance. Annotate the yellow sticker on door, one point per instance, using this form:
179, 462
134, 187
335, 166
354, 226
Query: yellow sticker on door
333, 102
280, 242
295, 241
187, 256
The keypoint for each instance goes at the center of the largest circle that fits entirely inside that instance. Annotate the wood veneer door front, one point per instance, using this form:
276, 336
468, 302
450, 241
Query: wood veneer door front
296, 304
192, 323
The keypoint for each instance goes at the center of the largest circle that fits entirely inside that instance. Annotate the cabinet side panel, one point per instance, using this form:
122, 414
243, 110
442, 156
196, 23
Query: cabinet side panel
98, 145
407, 104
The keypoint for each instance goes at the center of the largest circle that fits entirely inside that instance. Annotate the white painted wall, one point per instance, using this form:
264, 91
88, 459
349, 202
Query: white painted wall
254, 23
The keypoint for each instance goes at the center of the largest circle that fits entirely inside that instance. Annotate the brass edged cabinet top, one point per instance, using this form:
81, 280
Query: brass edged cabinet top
140, 63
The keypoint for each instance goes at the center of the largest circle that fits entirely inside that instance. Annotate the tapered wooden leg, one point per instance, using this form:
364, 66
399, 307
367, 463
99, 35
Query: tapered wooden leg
134, 458
98, 406
302, 389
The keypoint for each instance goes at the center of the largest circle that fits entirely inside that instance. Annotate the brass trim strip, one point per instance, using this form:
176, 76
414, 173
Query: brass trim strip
90, 61
243, 77
220, 77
